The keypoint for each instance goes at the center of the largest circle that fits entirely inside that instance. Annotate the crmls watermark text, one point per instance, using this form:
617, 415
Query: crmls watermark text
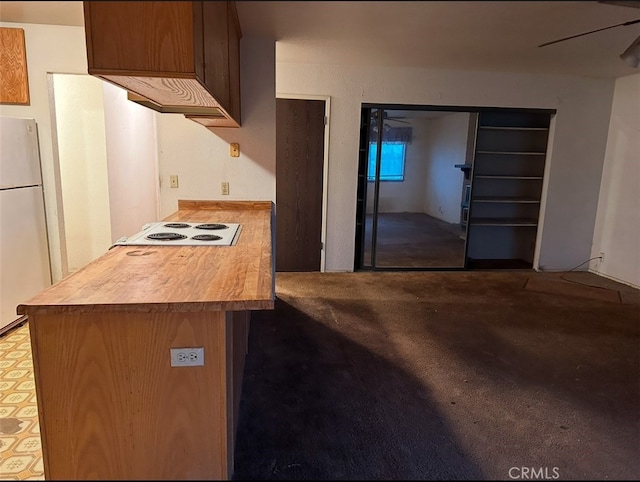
534, 473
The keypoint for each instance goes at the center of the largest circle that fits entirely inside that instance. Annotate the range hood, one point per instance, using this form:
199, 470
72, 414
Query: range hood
213, 112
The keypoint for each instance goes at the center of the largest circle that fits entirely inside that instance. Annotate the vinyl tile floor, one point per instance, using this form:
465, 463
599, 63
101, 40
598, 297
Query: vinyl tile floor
20, 449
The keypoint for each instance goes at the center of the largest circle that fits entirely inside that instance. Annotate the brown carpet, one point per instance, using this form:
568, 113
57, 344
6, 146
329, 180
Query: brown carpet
439, 375
567, 288
415, 240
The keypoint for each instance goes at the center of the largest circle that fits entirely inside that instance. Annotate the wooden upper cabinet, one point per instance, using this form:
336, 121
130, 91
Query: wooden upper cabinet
177, 57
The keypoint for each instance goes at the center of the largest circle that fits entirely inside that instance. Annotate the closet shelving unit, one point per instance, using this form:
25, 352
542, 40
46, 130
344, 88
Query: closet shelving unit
507, 178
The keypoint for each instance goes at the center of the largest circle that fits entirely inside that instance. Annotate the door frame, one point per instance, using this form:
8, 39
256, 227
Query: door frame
325, 164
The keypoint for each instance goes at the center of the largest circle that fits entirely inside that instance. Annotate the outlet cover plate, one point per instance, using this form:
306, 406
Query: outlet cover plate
187, 357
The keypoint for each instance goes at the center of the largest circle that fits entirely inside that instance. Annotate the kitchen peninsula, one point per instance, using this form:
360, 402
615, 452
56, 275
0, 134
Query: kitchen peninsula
110, 404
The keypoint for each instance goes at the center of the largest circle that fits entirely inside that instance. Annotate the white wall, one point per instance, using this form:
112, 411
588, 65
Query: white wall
617, 228
576, 157
447, 146
132, 157
82, 157
200, 157
417, 153
50, 48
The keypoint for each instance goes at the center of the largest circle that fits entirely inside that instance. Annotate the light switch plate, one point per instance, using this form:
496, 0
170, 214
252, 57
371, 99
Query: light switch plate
234, 149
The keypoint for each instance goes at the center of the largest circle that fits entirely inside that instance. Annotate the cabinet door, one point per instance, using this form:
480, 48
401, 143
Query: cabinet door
139, 37
216, 50
14, 85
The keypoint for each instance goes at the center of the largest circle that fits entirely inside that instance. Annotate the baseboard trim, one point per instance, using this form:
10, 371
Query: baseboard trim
613, 278
13, 324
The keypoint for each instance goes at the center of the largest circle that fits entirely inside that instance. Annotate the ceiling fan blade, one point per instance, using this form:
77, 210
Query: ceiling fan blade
624, 24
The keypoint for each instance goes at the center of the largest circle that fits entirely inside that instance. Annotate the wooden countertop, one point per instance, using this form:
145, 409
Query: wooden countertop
177, 278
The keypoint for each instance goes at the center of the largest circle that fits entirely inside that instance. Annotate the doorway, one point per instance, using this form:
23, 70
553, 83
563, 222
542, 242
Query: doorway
78, 121
301, 140
107, 185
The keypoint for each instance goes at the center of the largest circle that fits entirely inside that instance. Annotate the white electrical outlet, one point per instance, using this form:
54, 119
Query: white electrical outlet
224, 188
187, 357
602, 256
173, 180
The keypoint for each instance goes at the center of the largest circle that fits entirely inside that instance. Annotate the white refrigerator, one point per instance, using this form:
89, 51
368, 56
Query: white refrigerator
24, 252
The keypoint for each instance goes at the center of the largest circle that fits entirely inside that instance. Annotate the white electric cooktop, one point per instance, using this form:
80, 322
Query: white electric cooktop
179, 233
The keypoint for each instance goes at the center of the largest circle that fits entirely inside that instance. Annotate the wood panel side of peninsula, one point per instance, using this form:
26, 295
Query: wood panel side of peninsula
110, 404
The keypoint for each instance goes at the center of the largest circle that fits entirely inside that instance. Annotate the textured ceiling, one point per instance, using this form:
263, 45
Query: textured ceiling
477, 35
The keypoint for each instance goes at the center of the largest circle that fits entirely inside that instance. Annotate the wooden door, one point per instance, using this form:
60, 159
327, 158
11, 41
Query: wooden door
299, 178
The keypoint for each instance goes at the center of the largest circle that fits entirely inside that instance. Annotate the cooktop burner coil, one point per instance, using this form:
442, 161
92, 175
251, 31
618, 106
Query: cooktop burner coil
206, 237
211, 226
165, 236
176, 225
